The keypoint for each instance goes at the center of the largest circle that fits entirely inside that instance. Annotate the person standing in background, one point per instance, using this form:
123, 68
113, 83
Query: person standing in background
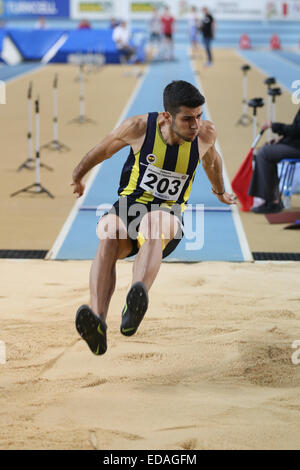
155, 34
167, 22
194, 26
121, 37
208, 29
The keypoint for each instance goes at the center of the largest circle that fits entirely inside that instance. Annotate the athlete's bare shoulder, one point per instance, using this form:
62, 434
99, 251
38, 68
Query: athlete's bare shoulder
207, 132
133, 128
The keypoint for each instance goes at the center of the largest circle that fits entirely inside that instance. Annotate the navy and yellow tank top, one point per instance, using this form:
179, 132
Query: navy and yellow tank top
160, 173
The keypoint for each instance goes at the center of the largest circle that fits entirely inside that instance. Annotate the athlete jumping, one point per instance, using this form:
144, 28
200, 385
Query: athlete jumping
146, 220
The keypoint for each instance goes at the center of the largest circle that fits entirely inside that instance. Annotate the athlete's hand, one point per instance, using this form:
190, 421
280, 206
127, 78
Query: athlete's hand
79, 188
227, 198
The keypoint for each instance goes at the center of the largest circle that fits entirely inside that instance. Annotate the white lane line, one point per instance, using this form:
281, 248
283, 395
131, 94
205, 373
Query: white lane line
53, 50
52, 253
187, 209
235, 212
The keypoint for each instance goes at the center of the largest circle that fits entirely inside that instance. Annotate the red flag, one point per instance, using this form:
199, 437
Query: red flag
241, 181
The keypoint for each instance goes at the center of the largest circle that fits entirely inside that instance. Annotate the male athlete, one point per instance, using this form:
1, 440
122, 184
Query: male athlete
146, 221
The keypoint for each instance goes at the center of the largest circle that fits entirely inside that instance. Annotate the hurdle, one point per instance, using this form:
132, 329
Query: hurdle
29, 163
78, 58
91, 60
82, 119
55, 144
36, 187
98, 61
244, 120
255, 103
88, 60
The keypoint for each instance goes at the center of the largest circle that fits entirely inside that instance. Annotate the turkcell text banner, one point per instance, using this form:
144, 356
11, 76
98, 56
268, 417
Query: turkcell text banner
33, 8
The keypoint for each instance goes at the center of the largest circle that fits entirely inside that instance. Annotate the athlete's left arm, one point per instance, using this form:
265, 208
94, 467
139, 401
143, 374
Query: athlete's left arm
212, 164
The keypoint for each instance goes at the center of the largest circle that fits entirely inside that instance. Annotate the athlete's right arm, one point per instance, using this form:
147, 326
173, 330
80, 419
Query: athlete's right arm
128, 133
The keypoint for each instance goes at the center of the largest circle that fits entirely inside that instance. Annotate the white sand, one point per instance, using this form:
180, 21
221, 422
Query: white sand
210, 367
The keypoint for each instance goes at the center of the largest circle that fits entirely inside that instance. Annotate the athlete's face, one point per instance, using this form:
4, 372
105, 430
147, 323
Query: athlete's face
185, 124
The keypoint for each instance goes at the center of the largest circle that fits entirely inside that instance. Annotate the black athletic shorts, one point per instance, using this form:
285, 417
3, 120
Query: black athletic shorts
131, 213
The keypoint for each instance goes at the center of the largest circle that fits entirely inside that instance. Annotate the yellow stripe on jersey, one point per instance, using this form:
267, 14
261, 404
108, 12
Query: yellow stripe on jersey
159, 147
183, 163
159, 150
183, 158
134, 176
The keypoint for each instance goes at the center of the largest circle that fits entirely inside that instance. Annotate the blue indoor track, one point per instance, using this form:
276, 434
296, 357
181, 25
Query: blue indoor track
219, 232
10, 72
283, 65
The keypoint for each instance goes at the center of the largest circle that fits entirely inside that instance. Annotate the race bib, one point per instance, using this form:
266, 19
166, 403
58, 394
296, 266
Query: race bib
163, 184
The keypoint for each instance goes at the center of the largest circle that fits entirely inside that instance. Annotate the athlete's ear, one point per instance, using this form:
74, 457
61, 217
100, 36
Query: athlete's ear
167, 116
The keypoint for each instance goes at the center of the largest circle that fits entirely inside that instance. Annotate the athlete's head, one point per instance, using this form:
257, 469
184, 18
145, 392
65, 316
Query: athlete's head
180, 93
183, 102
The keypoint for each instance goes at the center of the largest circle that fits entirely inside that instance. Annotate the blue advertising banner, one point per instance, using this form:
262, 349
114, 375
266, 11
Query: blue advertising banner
10, 9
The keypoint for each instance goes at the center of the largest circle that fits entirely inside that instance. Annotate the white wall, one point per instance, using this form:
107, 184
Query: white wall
221, 9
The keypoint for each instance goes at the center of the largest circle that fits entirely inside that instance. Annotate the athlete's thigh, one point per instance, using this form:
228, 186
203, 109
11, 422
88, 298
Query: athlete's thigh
110, 226
157, 223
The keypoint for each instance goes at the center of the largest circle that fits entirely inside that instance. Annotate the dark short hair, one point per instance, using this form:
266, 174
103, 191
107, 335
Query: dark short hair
180, 93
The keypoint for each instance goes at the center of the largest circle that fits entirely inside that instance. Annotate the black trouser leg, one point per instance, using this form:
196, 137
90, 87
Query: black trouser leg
265, 179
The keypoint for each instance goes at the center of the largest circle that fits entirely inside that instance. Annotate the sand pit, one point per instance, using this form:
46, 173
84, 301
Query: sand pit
210, 367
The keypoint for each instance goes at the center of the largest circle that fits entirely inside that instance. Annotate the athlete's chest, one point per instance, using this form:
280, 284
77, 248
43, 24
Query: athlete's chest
161, 183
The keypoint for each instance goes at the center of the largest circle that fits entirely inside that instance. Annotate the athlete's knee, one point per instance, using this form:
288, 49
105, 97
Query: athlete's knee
157, 225
151, 225
170, 225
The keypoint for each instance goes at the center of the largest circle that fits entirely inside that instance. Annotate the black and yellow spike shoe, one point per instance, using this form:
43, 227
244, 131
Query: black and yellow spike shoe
135, 309
92, 329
